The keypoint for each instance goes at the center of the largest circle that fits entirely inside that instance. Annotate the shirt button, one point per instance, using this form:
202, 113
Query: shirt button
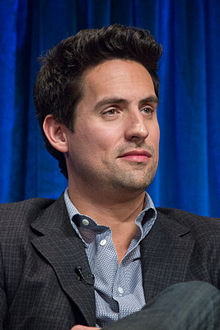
120, 290
85, 222
103, 242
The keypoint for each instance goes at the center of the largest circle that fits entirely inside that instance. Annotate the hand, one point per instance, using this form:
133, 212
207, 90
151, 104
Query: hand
83, 327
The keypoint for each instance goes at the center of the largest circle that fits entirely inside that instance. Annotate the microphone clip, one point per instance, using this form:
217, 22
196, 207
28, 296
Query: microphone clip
87, 278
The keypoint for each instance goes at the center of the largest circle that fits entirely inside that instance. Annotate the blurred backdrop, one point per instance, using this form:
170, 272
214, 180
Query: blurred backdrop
189, 112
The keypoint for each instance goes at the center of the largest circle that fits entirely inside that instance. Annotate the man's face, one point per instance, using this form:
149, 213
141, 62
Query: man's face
115, 143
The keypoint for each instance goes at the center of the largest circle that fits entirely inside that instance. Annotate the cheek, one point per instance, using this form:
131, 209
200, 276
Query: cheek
94, 141
155, 139
155, 135
158, 138
104, 137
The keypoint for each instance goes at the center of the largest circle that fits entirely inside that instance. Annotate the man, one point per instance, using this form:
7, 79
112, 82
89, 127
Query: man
102, 251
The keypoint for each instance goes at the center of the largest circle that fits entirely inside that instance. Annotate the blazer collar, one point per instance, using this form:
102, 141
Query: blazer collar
56, 240
165, 254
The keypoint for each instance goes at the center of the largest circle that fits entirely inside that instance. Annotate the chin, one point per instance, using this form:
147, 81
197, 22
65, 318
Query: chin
133, 186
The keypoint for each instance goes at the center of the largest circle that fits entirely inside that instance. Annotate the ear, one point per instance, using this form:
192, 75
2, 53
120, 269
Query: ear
55, 133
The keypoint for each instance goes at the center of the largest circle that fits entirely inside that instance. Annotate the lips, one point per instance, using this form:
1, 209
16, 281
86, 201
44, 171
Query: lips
136, 155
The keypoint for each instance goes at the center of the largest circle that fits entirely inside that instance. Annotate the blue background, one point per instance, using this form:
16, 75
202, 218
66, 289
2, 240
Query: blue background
189, 113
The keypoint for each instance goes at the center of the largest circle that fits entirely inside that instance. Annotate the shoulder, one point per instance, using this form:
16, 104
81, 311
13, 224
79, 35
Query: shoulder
16, 218
30, 208
185, 217
26, 204
196, 224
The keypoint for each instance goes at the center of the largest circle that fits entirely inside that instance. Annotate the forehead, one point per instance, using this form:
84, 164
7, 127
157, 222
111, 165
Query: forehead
117, 77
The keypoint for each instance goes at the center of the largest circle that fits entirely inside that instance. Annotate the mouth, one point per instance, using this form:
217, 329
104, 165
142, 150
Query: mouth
136, 156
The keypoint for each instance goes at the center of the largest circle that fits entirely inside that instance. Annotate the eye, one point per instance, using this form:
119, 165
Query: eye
148, 110
110, 112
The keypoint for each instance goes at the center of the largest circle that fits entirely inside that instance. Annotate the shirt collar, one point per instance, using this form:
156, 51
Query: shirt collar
144, 220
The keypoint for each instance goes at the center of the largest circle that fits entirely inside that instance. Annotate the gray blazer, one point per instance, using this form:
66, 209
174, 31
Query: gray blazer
41, 287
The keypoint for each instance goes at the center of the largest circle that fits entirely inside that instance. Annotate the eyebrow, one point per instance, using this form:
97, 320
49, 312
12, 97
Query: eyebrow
105, 101
149, 99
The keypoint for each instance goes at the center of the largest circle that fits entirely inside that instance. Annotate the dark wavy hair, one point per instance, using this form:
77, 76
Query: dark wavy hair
59, 84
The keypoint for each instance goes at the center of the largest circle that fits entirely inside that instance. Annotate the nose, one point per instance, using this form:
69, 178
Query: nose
136, 127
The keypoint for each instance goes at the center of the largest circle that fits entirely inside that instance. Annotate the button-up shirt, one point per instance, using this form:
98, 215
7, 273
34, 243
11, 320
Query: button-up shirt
118, 288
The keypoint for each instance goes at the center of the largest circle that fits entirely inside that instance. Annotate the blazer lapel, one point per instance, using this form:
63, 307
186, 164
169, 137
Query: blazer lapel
165, 254
64, 250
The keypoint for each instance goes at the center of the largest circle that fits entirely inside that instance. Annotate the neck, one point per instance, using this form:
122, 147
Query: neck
117, 211
108, 208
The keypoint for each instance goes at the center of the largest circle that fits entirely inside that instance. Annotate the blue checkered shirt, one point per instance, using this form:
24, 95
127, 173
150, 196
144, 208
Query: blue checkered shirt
118, 288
